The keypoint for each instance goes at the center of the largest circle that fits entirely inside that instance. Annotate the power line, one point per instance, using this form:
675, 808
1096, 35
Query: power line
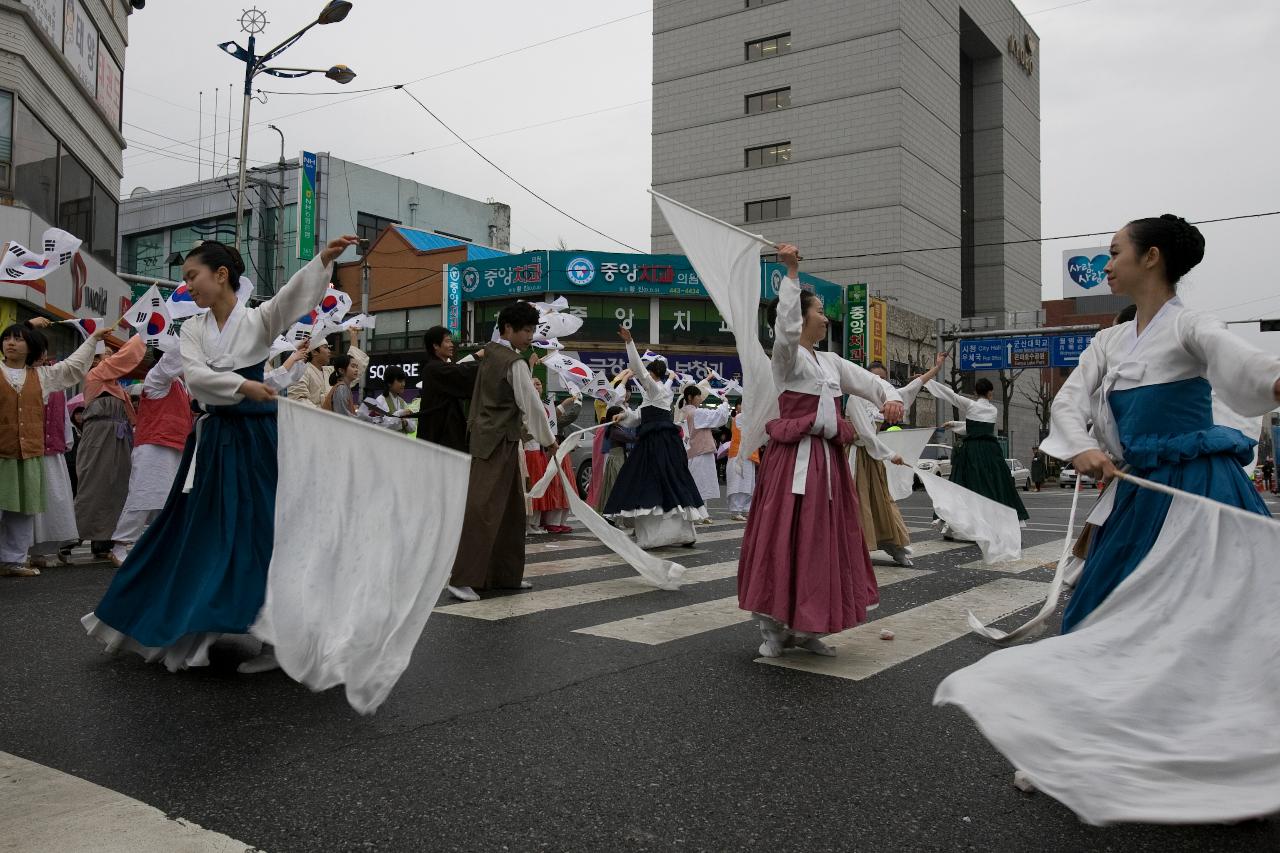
511, 177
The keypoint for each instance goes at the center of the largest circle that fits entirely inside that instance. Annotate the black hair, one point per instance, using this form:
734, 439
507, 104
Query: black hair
611, 412
394, 374
877, 364
517, 316
215, 255
433, 338
657, 369
36, 343
983, 387
688, 392
339, 364
1180, 243
1126, 314
807, 298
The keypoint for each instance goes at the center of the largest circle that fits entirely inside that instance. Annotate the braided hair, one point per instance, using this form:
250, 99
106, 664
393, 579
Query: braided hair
1180, 243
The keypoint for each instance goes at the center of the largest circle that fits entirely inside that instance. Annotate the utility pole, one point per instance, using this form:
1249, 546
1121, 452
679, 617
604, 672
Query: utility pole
278, 277
364, 308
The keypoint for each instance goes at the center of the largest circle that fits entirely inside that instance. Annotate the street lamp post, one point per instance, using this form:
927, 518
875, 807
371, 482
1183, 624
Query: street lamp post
253, 22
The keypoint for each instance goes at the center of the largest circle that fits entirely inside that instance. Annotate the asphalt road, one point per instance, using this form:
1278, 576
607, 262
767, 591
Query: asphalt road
593, 713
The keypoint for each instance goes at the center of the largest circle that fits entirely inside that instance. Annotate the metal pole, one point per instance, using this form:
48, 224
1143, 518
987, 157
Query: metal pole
940, 405
364, 309
278, 276
250, 67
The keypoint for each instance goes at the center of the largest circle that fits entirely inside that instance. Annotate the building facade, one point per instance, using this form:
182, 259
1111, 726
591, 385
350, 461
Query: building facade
61, 149
893, 140
158, 228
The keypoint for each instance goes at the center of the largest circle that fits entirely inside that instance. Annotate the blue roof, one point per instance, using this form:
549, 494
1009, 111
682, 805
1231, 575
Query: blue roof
426, 241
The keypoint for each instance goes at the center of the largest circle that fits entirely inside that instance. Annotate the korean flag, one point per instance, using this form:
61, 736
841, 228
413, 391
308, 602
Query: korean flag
151, 320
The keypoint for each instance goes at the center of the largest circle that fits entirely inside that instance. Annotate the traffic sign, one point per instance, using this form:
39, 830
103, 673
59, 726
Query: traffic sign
1020, 351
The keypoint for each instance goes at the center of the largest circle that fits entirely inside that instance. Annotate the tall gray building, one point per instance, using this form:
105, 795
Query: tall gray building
864, 131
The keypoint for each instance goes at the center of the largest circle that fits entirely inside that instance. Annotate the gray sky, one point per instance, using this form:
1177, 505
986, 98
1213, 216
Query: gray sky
1147, 107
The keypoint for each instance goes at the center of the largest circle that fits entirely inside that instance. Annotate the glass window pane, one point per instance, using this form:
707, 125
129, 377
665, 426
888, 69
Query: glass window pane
768, 210
35, 164
144, 254
420, 319
105, 215
753, 50
783, 98
753, 157
75, 198
784, 208
751, 212
784, 43
769, 47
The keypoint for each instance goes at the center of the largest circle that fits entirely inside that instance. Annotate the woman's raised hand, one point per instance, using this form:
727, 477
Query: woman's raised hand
336, 247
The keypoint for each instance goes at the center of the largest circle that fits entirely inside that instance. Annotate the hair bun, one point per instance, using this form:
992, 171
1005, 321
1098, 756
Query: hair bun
1180, 243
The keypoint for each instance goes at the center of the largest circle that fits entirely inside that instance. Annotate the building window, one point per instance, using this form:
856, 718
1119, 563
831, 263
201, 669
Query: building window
106, 215
75, 198
144, 254
35, 164
769, 258
6, 138
769, 208
767, 48
369, 226
767, 102
752, 4
768, 155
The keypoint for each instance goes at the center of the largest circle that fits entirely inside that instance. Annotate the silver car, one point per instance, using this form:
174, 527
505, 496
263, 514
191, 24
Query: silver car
1021, 476
936, 460
1067, 479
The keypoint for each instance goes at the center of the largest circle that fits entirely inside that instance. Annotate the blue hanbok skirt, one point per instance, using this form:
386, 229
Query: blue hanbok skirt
1169, 437
201, 567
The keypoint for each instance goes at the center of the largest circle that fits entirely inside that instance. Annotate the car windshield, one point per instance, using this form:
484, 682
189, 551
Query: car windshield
1014, 464
932, 451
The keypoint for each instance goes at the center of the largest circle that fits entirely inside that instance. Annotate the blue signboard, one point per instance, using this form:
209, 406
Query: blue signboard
1021, 351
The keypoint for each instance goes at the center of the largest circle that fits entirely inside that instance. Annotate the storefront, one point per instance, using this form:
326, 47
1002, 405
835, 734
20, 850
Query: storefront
658, 297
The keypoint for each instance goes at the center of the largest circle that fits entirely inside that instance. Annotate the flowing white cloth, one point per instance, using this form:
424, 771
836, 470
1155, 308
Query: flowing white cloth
663, 574
348, 593
58, 521
909, 444
151, 476
727, 260
1161, 705
993, 526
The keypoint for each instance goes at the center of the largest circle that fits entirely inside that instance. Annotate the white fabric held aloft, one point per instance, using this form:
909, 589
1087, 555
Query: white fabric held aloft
727, 260
909, 444
354, 578
993, 526
1161, 705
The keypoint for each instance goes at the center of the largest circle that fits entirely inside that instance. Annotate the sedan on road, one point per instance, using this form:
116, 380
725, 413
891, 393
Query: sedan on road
1067, 479
1021, 476
936, 460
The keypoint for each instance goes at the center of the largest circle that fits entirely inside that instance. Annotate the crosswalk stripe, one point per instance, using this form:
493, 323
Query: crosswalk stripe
924, 549
45, 809
861, 653
600, 561
538, 601
653, 629
1032, 558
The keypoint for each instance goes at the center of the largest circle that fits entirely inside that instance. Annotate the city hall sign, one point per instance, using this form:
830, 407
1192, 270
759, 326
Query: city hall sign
1023, 52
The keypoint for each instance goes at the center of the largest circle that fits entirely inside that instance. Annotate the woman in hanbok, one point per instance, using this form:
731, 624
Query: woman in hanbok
882, 523
106, 446
654, 488
1172, 722
548, 513
200, 569
615, 446
739, 474
698, 426
23, 493
978, 463
804, 569
55, 528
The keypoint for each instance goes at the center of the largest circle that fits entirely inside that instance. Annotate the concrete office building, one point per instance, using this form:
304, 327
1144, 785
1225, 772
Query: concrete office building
61, 73
158, 228
864, 131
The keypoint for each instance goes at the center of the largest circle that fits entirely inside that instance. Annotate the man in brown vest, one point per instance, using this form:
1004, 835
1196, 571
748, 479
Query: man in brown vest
492, 553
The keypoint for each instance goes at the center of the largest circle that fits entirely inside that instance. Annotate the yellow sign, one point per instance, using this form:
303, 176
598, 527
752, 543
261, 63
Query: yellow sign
878, 331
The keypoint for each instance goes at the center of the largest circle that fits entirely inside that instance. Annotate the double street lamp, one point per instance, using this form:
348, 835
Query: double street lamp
253, 22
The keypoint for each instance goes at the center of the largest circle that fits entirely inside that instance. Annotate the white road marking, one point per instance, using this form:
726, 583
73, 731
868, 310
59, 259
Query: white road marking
537, 601
45, 809
860, 653
606, 560
654, 629
1032, 558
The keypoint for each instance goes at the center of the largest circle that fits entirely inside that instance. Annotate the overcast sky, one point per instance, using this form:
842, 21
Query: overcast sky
1147, 106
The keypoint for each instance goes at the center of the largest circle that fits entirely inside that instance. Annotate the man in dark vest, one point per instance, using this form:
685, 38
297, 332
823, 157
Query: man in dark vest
492, 556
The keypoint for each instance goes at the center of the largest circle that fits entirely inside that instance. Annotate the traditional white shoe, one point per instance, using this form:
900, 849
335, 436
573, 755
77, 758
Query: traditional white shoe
117, 555
1022, 783
264, 662
771, 649
737, 517
463, 593
525, 585
817, 647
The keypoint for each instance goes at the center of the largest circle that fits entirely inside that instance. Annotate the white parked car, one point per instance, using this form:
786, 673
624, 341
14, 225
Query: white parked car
1067, 479
1021, 475
936, 460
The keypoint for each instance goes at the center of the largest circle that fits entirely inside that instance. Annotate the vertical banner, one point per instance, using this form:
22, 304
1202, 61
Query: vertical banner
878, 332
306, 205
453, 300
855, 327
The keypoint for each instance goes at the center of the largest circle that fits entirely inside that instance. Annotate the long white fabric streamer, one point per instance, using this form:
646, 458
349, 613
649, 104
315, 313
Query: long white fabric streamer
727, 260
1161, 705
993, 526
354, 577
909, 444
663, 574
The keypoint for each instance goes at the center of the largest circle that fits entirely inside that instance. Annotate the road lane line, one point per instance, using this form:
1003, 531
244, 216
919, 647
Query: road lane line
860, 653
653, 629
1032, 558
